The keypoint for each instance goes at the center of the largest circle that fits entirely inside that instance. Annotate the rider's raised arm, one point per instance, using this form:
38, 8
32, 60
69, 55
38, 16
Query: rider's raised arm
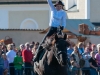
51, 5
64, 19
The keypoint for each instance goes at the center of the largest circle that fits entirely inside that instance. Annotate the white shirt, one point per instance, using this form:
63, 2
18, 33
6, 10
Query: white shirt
57, 17
10, 55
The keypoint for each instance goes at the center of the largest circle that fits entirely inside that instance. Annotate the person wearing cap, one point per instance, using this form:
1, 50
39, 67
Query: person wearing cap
57, 19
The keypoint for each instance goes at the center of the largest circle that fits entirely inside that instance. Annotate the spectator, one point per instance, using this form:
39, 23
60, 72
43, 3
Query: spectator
81, 47
37, 44
18, 63
4, 49
30, 48
22, 47
14, 47
1, 48
89, 45
76, 54
10, 57
97, 56
34, 49
93, 47
6, 64
27, 59
86, 57
1, 63
33, 43
93, 64
74, 68
70, 50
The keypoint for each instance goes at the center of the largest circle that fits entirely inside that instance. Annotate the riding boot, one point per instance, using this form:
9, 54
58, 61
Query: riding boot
36, 58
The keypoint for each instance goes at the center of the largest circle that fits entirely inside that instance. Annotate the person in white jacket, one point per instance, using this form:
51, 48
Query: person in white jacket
57, 19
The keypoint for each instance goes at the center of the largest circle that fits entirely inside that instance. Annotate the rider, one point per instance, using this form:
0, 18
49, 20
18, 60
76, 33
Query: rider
58, 18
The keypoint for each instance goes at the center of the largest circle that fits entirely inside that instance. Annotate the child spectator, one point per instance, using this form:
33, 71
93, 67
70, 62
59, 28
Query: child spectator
18, 63
6, 64
1, 63
74, 68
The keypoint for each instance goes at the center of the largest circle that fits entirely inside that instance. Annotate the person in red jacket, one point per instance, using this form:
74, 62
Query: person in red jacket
27, 59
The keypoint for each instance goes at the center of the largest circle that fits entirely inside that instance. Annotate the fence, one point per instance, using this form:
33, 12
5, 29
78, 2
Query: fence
80, 71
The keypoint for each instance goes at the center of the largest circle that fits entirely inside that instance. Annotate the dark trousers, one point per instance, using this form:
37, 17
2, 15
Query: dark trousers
86, 71
28, 67
11, 68
51, 31
18, 72
1, 70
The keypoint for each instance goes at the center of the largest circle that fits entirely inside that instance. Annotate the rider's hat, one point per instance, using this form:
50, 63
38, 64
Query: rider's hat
59, 3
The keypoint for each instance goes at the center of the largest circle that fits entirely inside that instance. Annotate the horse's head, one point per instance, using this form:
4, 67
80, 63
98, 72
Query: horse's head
60, 49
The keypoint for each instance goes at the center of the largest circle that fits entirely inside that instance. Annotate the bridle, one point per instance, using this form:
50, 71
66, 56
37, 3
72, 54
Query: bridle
57, 54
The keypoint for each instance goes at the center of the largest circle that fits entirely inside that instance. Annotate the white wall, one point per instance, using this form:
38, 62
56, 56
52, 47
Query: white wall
3, 19
75, 2
5, 9
87, 9
29, 24
95, 10
70, 3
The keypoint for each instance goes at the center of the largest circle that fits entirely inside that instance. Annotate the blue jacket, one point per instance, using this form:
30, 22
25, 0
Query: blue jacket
57, 17
1, 62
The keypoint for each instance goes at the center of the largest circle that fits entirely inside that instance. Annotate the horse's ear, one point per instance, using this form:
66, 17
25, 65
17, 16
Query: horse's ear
65, 36
56, 37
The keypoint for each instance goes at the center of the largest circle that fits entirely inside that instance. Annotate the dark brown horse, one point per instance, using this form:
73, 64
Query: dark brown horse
54, 60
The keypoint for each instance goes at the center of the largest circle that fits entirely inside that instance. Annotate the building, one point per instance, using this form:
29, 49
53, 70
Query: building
35, 14
83, 9
24, 14
22, 20
20, 15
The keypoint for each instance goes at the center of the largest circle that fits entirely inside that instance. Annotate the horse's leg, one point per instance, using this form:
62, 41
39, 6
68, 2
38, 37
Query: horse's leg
39, 67
35, 73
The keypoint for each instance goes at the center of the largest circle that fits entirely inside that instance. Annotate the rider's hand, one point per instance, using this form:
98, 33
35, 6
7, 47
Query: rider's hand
61, 27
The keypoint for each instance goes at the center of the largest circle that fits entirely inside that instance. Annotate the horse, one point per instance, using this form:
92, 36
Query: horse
54, 60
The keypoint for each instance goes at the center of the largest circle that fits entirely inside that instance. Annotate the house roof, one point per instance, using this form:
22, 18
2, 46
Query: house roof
46, 30
21, 29
96, 23
24, 1
73, 26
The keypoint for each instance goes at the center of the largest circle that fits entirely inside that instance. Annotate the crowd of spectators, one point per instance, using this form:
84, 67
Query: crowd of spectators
19, 61
85, 58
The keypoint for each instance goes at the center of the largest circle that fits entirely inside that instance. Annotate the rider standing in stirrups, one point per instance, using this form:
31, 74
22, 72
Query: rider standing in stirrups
58, 18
